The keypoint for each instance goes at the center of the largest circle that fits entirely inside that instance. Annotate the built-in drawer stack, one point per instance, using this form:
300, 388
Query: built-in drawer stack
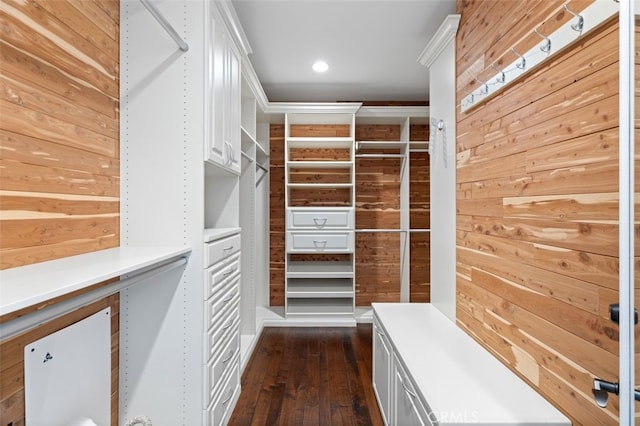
320, 215
222, 321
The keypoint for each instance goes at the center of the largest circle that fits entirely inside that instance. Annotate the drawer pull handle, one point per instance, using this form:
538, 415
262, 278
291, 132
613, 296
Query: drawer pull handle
229, 397
229, 272
227, 248
228, 325
320, 243
320, 221
406, 389
228, 299
227, 359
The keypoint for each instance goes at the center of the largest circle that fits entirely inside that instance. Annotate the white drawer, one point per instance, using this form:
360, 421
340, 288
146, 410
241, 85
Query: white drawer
325, 242
217, 368
216, 337
221, 249
218, 276
223, 405
221, 302
319, 219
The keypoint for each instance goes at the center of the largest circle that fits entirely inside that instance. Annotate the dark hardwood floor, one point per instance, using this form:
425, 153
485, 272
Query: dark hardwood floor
309, 376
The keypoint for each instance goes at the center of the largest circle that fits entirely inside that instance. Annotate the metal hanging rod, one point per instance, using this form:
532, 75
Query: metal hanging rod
247, 156
165, 24
418, 150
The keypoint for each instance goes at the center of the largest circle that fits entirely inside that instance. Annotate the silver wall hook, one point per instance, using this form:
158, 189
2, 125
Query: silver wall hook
501, 77
546, 46
578, 26
523, 61
484, 89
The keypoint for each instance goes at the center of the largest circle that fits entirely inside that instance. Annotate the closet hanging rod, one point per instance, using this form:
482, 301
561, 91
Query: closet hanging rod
247, 156
426, 231
165, 24
380, 155
418, 150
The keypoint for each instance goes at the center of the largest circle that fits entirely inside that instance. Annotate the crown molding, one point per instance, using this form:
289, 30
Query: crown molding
228, 13
439, 41
312, 107
393, 111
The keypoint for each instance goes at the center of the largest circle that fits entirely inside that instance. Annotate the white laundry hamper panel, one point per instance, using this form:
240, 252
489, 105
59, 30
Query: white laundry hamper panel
67, 374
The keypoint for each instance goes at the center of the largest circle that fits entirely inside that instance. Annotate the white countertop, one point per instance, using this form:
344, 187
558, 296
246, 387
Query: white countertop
213, 234
29, 285
457, 378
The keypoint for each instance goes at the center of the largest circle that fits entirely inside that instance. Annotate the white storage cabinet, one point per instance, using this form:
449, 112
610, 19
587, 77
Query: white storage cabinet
223, 101
427, 371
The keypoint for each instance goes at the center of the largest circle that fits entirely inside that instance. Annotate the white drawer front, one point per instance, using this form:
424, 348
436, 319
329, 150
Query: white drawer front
305, 219
222, 302
221, 249
222, 407
216, 337
218, 367
325, 242
218, 276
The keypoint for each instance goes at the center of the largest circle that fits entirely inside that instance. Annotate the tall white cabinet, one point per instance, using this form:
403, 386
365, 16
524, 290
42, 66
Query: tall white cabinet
320, 217
182, 185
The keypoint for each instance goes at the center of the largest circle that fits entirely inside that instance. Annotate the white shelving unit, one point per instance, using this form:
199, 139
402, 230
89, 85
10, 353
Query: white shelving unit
254, 212
401, 149
318, 287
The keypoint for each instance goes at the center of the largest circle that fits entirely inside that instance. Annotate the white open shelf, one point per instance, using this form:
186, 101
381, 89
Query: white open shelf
320, 306
319, 142
320, 185
360, 145
30, 285
320, 269
319, 287
320, 164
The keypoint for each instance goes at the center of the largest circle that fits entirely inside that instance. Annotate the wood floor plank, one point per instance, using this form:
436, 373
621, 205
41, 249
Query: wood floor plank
309, 376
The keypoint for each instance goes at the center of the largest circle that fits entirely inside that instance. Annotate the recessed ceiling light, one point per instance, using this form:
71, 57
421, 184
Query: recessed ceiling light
320, 66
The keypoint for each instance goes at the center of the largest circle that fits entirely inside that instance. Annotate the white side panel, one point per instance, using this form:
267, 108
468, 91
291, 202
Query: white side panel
161, 204
443, 183
67, 374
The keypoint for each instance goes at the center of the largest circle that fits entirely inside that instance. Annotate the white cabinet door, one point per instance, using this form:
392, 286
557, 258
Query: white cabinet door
223, 120
231, 124
382, 371
408, 410
215, 150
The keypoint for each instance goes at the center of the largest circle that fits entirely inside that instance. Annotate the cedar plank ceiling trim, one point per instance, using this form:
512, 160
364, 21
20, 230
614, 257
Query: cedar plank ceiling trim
59, 133
537, 207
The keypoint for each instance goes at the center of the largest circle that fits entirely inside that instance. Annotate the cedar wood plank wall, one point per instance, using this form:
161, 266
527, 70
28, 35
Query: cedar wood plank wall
59, 141
537, 205
377, 206
60, 129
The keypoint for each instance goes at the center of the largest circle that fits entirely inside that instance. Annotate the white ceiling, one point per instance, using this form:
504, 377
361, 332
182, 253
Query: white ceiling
371, 46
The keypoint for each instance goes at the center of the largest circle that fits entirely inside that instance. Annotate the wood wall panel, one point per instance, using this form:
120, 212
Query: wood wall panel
12, 403
537, 206
277, 225
59, 134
